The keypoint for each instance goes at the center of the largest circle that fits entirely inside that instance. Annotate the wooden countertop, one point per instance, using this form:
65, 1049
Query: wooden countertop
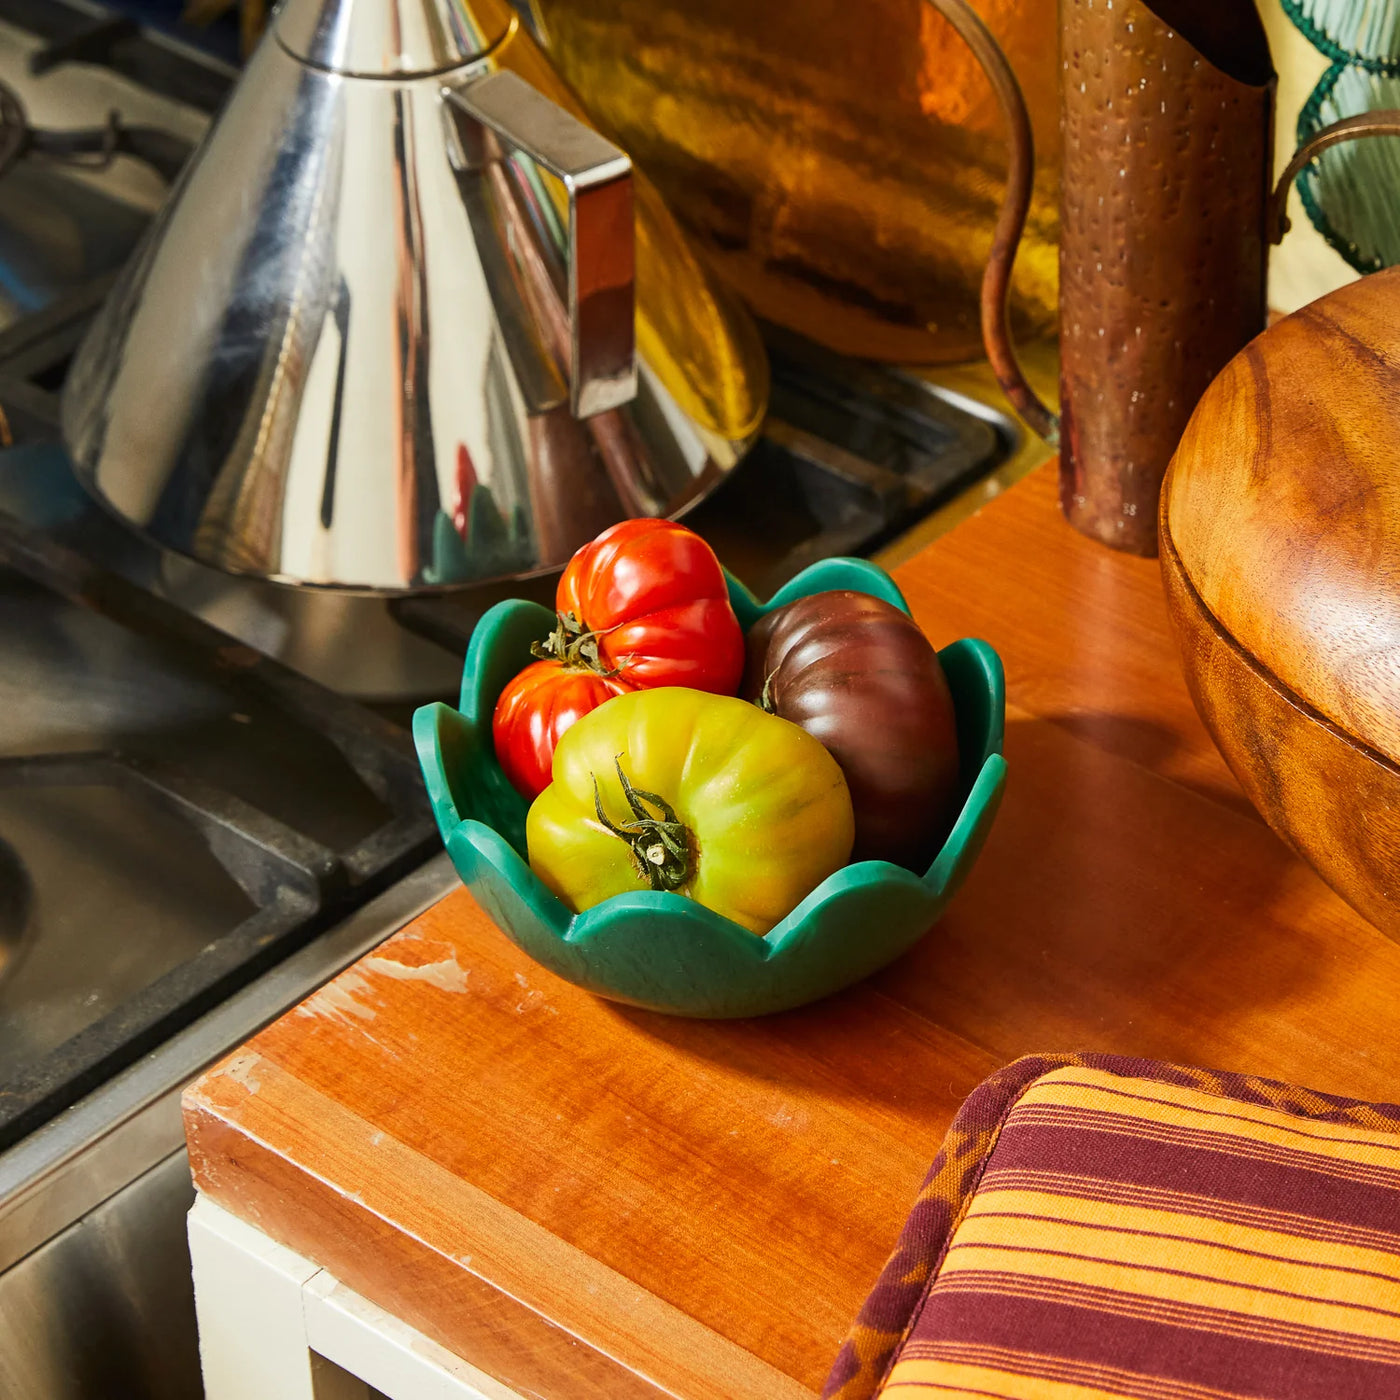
587, 1200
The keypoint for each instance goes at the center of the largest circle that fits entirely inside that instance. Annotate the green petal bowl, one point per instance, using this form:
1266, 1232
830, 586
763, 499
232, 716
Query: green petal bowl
664, 951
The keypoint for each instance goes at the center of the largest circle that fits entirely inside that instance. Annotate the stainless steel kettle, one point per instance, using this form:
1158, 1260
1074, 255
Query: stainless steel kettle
382, 336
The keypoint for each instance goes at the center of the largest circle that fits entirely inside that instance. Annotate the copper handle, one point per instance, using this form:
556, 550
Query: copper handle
1385, 121
1011, 219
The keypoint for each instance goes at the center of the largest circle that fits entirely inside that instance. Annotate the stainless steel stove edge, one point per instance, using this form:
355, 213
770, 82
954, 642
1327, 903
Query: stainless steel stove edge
94, 1149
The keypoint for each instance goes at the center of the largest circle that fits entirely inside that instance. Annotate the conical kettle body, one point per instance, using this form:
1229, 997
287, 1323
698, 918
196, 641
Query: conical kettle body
406, 322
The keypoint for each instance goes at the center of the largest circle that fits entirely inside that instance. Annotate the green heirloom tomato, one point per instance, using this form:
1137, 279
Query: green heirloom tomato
704, 795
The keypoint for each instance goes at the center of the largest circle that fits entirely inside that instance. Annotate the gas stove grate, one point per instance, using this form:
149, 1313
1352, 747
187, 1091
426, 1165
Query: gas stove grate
88, 34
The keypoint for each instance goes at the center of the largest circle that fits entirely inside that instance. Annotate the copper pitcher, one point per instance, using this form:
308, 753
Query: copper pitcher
1166, 215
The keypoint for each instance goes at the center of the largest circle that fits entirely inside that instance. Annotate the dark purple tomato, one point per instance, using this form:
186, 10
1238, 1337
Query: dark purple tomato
859, 675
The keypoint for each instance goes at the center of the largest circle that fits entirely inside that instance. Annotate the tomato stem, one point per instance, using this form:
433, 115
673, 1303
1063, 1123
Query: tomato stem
573, 645
765, 701
662, 845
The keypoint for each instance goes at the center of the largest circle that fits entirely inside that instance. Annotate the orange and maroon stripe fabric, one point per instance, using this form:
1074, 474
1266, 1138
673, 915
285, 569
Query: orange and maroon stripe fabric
1098, 1227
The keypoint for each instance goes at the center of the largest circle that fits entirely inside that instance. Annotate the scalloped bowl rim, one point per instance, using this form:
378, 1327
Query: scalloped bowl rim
584, 928
592, 925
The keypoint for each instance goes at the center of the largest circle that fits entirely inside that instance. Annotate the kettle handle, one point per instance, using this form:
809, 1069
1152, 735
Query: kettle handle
1011, 219
602, 234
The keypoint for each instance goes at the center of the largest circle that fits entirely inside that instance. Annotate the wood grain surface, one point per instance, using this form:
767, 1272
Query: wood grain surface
1336, 800
587, 1200
1284, 506
1281, 549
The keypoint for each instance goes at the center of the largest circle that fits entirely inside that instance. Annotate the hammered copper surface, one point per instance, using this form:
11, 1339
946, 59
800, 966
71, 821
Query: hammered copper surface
1162, 257
844, 162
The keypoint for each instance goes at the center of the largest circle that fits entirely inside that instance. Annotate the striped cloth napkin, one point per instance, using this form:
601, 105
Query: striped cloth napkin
1099, 1227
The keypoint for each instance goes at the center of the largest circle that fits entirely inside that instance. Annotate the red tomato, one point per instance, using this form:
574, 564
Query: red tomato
644, 605
535, 709
654, 595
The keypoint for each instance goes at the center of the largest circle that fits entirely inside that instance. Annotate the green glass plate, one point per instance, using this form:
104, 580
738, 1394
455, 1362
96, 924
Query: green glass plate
1352, 191
664, 951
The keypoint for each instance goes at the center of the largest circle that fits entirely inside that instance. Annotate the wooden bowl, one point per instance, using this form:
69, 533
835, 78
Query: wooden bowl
1280, 548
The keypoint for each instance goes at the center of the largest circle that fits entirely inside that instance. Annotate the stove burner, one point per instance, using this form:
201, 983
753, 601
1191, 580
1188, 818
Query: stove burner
299, 868
89, 148
16, 894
